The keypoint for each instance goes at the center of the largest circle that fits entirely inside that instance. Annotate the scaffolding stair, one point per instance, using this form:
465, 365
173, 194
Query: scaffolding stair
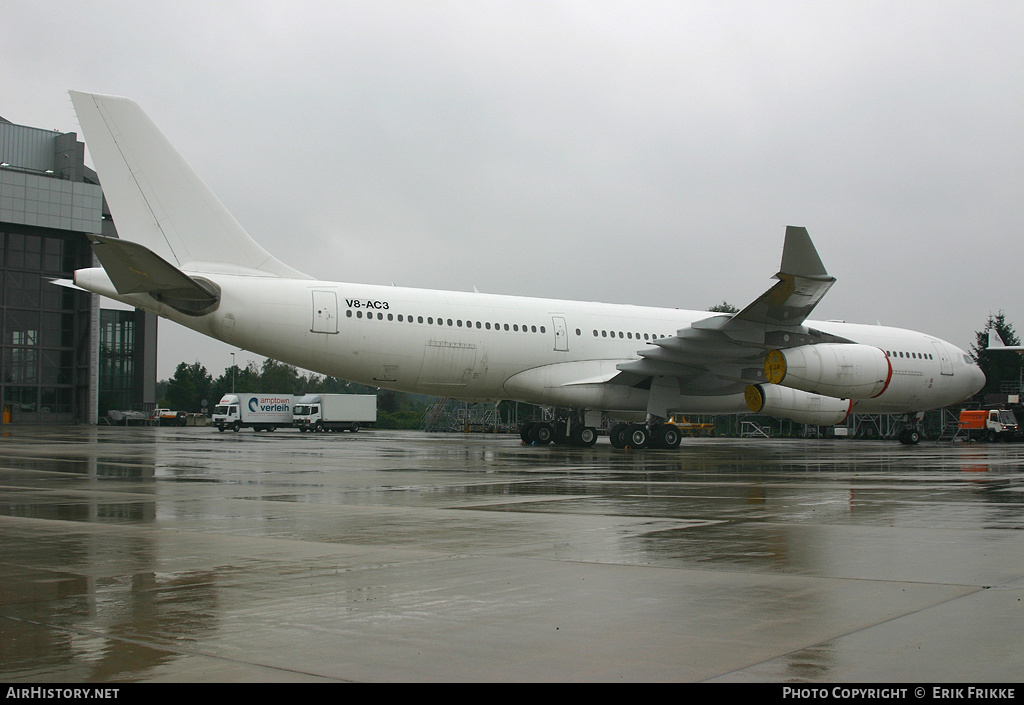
951, 430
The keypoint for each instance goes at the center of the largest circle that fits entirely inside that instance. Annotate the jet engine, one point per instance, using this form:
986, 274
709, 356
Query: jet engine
796, 405
847, 371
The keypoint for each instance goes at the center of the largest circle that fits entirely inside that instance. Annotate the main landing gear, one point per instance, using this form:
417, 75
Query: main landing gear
563, 432
571, 432
655, 435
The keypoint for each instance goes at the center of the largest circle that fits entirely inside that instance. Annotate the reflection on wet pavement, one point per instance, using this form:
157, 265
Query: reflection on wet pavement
188, 555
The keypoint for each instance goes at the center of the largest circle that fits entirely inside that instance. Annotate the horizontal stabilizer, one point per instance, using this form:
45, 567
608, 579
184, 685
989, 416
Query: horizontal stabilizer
68, 284
133, 269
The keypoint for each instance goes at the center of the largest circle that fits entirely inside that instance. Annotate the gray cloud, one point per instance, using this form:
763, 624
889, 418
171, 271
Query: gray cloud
628, 152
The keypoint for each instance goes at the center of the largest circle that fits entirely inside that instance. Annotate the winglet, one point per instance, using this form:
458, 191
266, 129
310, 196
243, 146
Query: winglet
799, 257
803, 282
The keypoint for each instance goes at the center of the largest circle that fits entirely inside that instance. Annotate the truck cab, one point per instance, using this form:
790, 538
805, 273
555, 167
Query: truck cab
227, 414
306, 416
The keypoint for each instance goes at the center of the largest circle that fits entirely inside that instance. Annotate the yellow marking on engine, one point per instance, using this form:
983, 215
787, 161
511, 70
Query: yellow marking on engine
775, 366
755, 400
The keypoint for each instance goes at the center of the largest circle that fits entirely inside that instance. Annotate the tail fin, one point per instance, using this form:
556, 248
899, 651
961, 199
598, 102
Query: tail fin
995, 343
158, 201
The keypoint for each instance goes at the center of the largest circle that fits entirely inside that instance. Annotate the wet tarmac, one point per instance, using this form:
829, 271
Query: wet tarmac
186, 555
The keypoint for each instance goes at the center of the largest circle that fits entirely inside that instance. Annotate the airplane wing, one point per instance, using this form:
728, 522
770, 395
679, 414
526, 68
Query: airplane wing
723, 353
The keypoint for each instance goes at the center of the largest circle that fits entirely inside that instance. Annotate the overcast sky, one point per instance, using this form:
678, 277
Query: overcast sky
629, 152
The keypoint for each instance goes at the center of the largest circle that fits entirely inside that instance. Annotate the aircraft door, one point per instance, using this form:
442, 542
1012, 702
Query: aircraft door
325, 312
944, 362
561, 336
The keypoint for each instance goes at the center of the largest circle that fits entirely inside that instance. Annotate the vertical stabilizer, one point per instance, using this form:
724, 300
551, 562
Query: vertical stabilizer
157, 200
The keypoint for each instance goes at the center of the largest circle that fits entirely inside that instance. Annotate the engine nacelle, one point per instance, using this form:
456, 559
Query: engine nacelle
796, 405
843, 370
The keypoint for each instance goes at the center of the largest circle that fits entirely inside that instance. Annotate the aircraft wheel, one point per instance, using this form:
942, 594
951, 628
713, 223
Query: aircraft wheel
542, 433
584, 436
637, 436
617, 435
524, 431
670, 437
910, 436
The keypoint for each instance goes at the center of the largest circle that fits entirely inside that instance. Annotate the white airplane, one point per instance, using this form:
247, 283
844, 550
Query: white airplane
182, 256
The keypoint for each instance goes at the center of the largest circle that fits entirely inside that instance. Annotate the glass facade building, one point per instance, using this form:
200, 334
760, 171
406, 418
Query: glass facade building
54, 360
125, 373
44, 356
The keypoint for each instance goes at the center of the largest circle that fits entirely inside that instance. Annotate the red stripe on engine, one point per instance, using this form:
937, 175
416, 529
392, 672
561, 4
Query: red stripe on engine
849, 410
888, 377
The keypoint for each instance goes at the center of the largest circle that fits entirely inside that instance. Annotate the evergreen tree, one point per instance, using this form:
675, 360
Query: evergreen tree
999, 367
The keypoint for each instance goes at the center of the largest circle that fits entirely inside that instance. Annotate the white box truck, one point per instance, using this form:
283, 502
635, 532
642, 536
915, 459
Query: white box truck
260, 412
335, 412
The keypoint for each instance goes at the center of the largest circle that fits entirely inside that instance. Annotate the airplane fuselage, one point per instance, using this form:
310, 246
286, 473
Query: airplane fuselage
485, 347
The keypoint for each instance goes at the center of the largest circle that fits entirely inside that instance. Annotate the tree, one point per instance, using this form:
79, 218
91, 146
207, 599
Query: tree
278, 378
998, 367
187, 389
724, 307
